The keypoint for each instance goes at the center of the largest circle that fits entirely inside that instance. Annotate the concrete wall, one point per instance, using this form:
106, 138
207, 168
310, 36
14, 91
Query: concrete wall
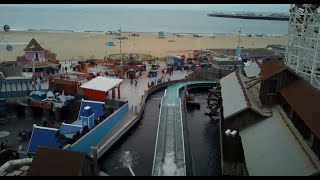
241, 120
99, 132
209, 74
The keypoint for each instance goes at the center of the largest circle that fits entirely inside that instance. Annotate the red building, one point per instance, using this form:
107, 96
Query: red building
68, 83
98, 88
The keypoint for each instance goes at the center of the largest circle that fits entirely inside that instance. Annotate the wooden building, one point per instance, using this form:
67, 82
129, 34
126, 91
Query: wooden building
60, 162
282, 86
301, 102
292, 124
274, 76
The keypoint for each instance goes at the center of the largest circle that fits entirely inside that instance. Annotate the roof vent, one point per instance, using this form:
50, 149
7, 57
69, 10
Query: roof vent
228, 132
233, 133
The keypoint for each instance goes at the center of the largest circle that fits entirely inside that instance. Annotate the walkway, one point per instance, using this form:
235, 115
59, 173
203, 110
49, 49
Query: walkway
169, 157
110, 138
133, 94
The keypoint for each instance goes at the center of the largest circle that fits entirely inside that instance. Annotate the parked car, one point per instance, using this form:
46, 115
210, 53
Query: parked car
134, 34
122, 38
197, 35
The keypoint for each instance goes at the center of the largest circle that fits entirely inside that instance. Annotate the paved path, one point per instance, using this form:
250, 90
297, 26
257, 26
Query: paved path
133, 94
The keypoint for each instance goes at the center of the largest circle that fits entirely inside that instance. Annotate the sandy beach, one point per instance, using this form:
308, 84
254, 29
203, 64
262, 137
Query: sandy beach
68, 45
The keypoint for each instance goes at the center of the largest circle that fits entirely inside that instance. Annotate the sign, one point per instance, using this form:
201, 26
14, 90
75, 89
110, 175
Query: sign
42, 105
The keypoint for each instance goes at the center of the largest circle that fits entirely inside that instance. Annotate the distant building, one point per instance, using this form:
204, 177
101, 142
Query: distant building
228, 64
42, 59
34, 51
261, 54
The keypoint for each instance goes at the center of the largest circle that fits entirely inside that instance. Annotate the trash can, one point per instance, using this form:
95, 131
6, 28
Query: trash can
153, 73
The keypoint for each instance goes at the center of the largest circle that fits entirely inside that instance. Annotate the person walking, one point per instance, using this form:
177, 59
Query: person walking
41, 77
135, 83
33, 84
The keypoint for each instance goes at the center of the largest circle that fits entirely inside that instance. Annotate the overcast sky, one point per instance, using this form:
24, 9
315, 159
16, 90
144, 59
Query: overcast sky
204, 7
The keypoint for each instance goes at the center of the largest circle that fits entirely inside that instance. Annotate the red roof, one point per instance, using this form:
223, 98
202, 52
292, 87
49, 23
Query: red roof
305, 100
49, 55
34, 46
271, 68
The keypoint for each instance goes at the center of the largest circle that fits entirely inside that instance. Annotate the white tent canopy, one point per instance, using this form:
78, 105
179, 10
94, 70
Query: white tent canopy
101, 83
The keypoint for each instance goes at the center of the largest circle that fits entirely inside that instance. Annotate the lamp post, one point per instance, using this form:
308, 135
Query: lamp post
238, 52
33, 66
120, 45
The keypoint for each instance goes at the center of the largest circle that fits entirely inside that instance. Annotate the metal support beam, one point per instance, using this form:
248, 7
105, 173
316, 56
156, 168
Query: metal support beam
302, 54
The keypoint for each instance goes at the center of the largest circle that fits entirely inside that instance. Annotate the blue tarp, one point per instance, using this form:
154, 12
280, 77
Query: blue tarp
110, 43
68, 128
175, 61
96, 107
161, 34
38, 95
42, 136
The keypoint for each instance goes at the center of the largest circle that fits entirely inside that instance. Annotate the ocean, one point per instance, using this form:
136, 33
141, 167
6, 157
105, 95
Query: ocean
103, 19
